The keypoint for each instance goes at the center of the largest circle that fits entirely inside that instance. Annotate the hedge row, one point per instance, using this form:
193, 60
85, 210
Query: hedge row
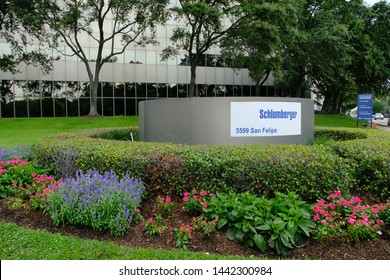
310, 171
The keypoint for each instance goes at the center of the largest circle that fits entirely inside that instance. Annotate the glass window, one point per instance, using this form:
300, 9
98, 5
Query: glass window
130, 89
172, 91
60, 107
152, 90
162, 90
119, 90
140, 57
130, 107
141, 89
182, 91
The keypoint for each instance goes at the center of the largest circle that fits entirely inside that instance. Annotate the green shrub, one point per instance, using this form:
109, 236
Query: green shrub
310, 171
277, 223
339, 134
372, 160
126, 134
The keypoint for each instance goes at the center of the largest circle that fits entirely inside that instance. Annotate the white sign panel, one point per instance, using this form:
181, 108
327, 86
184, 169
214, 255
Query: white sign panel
253, 119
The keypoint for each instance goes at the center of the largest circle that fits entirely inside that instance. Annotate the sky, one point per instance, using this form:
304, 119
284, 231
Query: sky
371, 2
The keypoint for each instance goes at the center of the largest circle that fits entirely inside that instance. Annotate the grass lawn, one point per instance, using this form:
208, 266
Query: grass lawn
18, 243
19, 131
335, 121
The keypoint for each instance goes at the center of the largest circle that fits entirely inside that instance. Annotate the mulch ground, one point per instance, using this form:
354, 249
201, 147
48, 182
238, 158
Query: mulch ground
378, 249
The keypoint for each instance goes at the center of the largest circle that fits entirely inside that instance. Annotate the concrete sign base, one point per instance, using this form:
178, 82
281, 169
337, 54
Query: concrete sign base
227, 120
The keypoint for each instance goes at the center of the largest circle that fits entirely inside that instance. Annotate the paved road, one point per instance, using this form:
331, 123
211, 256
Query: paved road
382, 124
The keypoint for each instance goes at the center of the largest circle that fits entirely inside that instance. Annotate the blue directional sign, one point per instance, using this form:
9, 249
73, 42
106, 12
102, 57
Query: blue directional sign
364, 109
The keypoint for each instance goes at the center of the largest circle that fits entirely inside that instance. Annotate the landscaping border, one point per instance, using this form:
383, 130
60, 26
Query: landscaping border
310, 171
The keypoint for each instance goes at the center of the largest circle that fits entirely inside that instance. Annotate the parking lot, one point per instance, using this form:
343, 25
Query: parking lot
382, 124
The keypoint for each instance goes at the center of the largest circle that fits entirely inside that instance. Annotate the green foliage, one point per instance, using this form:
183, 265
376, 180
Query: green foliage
183, 236
277, 223
123, 134
371, 158
385, 214
340, 134
311, 172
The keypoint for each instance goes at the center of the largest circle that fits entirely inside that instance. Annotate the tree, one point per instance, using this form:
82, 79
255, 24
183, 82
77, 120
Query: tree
256, 42
334, 49
378, 29
15, 25
205, 22
71, 21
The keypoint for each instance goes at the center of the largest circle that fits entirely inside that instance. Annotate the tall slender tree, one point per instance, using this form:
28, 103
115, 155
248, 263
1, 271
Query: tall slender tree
205, 23
112, 25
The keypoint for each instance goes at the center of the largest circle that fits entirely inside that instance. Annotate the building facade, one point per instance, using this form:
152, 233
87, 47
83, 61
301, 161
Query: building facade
136, 75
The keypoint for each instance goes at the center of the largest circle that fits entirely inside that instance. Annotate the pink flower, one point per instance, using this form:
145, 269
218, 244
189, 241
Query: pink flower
185, 199
316, 217
337, 193
168, 199
346, 203
322, 212
356, 200
150, 220
324, 222
186, 194
321, 202
205, 205
203, 193
14, 183
34, 174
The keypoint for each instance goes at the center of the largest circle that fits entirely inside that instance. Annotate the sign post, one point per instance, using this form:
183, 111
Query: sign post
364, 108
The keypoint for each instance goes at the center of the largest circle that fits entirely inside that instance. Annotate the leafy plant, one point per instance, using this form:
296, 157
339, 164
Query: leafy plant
277, 223
204, 226
195, 201
384, 212
103, 202
165, 204
152, 228
183, 236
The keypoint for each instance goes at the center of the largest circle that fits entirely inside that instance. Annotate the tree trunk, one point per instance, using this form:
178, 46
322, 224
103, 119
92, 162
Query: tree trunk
191, 91
93, 99
258, 87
